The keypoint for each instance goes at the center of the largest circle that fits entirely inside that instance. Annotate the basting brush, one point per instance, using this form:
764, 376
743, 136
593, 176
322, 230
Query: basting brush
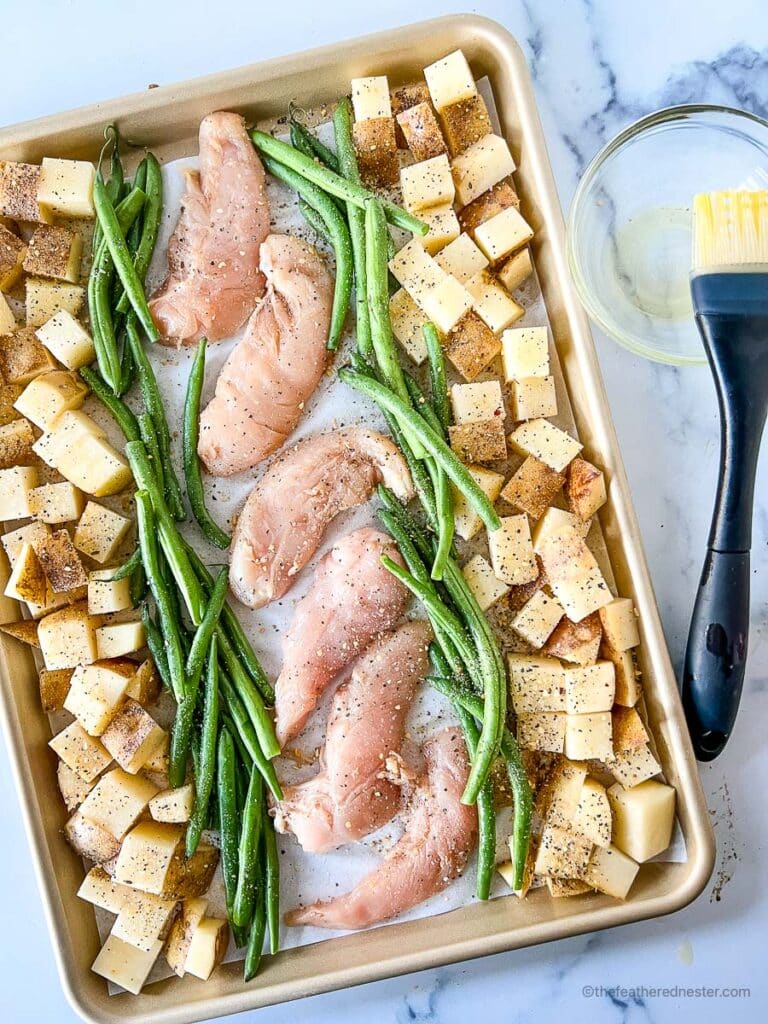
729, 285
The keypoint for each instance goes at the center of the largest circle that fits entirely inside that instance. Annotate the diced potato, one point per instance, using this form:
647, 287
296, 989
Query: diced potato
46, 397
125, 965
536, 683
629, 732
376, 149
44, 298
54, 251
7, 319
494, 200
562, 854
117, 801
511, 551
416, 270
407, 323
631, 767
542, 730
183, 928
537, 618
584, 488
67, 340
120, 638
145, 685
471, 346
106, 595
80, 752
54, 687
403, 98
146, 855
12, 253
16, 440
208, 947
560, 888
545, 442
143, 920
466, 519
65, 436
525, 353
102, 891
446, 303
14, 541
56, 503
643, 818
421, 132
533, 487
516, 270
370, 98
476, 403
89, 839
67, 638
611, 871
100, 532
492, 302
479, 442
573, 573
22, 357
73, 789
18, 192
132, 738
443, 227
24, 630
450, 80
27, 580
61, 563
576, 642
558, 797
427, 184
461, 259
501, 235
589, 736
620, 624
95, 695
627, 678
174, 805
533, 397
97, 468
486, 587
554, 520
480, 167
65, 187
465, 123
15, 486
593, 814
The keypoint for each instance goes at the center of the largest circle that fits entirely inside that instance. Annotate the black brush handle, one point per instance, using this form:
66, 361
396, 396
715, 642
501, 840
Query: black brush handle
715, 657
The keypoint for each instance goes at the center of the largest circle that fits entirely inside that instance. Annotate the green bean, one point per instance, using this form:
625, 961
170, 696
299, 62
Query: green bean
315, 221
121, 414
447, 526
406, 518
128, 567
133, 237
205, 770
331, 182
431, 441
258, 931
248, 851
116, 175
115, 239
382, 338
339, 232
229, 816
149, 437
156, 409
156, 645
347, 166
153, 212
309, 144
137, 586
437, 376
247, 734
127, 370
204, 635
486, 814
192, 472
251, 698
272, 894
168, 622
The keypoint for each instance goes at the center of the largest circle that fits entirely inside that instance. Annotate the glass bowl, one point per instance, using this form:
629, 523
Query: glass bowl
629, 228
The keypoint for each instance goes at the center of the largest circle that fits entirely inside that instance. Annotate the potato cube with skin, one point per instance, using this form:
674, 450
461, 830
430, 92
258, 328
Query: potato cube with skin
19, 183
620, 624
133, 737
542, 730
46, 397
479, 442
90, 840
480, 167
405, 97
511, 551
629, 732
82, 753
466, 519
96, 693
54, 251
421, 132
525, 353
493, 303
54, 687
576, 642
573, 573
145, 685
592, 818
501, 235
61, 563
516, 270
97, 468
12, 253
560, 888
22, 357
611, 871
56, 503
450, 80
588, 736
415, 269
562, 854
125, 965
376, 149
24, 630
117, 801
643, 818
143, 920
590, 689
442, 225
554, 520
427, 184
536, 683
120, 638
533, 397
486, 587
445, 304
174, 805
558, 797
471, 346
546, 442
100, 532
537, 618
627, 681
14, 541
494, 200
44, 298
67, 339
16, 440
100, 890
16, 484
465, 123
478, 402
461, 258
407, 325
7, 319
180, 936
65, 187
27, 579
208, 947
146, 855
533, 487
370, 98
584, 488
106, 595
631, 767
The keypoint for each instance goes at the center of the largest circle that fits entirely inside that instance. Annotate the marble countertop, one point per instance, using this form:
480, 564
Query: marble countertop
597, 64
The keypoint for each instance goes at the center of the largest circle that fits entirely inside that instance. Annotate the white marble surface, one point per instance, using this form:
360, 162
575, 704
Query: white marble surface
598, 64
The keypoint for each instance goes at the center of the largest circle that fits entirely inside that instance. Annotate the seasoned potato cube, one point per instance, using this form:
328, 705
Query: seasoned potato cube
61, 563
560, 888
65, 187
73, 789
100, 890
116, 801
208, 947
445, 304
590, 688
589, 736
476, 403
542, 730
16, 440
525, 352
183, 928
145, 686
488, 204
559, 794
96, 693
629, 732
120, 638
471, 346
627, 678
143, 920
620, 625
536, 683
22, 357
68, 340
89, 839
15, 486
466, 519
46, 397
416, 270
511, 551
554, 520
24, 630
12, 252
611, 871
54, 251
14, 541
537, 618
82, 753
502, 234
132, 738
96, 467
65, 436
7, 319
27, 580
44, 298
8, 395
106, 595
562, 854
450, 80
483, 165
465, 123
370, 98
403, 98
54, 687
146, 855
407, 323
486, 587
443, 227
376, 150
593, 814
573, 573
100, 532
427, 184
479, 442
492, 302
643, 818
421, 132
576, 642
173, 805
546, 442
584, 488
125, 965
533, 397
56, 503
533, 487
18, 192
516, 270
461, 259
631, 767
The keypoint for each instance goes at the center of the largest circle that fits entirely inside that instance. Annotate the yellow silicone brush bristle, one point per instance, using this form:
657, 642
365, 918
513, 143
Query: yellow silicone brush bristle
730, 229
